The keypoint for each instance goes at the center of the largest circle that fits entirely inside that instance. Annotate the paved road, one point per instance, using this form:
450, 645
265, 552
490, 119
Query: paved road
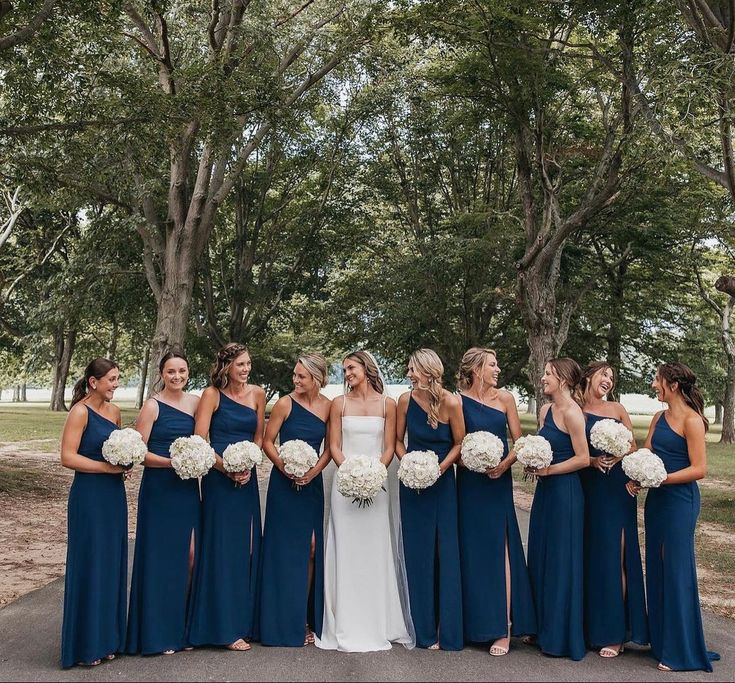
29, 651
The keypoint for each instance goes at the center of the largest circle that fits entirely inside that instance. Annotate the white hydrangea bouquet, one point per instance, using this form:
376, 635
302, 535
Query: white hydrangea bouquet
611, 437
360, 477
419, 469
191, 456
298, 458
481, 451
533, 452
124, 447
645, 467
241, 457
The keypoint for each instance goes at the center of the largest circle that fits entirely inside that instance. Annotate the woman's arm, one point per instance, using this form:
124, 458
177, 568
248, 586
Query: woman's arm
401, 410
71, 437
389, 433
697, 447
456, 424
633, 487
573, 420
208, 404
279, 414
335, 431
514, 427
144, 424
260, 410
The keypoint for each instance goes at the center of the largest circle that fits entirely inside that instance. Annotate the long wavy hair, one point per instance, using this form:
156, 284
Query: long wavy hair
683, 376
473, 359
158, 385
226, 356
427, 362
98, 368
371, 369
589, 372
569, 372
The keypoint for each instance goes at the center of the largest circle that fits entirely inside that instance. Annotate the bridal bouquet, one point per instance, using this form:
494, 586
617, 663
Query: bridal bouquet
419, 469
481, 451
645, 468
534, 452
298, 458
612, 437
191, 456
360, 477
241, 456
124, 447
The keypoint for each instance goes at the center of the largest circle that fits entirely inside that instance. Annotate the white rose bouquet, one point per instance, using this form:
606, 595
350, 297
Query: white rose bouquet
481, 451
533, 452
124, 447
298, 458
241, 457
611, 437
419, 469
360, 477
191, 456
645, 468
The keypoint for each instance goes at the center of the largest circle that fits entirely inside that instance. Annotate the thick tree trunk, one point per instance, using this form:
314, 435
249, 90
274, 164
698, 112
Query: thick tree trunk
61, 372
23, 397
728, 416
145, 362
718, 413
531, 409
16, 393
58, 352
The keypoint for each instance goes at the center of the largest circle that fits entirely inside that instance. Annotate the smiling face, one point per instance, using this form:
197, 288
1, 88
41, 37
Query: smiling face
602, 382
549, 381
175, 374
303, 382
105, 386
487, 374
240, 369
354, 372
418, 379
661, 387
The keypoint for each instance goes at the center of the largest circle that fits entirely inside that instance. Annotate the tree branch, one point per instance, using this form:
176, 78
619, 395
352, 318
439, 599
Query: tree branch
34, 24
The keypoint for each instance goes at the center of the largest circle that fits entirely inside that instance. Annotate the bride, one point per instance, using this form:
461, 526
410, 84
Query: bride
365, 590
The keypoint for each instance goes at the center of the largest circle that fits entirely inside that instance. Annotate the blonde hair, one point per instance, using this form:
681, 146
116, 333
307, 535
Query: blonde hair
427, 362
316, 366
473, 359
225, 358
371, 370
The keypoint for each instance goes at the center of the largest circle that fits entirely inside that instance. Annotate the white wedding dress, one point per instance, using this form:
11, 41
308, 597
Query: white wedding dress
365, 588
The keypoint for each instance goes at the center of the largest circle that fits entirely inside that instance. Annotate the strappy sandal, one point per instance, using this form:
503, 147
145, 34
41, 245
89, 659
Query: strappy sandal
662, 667
94, 662
239, 646
610, 652
500, 650
434, 647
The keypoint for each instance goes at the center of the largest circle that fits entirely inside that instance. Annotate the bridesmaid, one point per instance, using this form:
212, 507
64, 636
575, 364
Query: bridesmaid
292, 590
225, 593
169, 515
676, 435
614, 598
556, 527
432, 417
495, 588
95, 587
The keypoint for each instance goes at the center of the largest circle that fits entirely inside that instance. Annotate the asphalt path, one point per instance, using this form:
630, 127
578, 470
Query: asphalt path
30, 631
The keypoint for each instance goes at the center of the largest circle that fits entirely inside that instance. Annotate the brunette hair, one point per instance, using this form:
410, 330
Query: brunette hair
428, 363
569, 372
98, 368
589, 372
159, 383
686, 379
225, 358
371, 369
473, 358
316, 366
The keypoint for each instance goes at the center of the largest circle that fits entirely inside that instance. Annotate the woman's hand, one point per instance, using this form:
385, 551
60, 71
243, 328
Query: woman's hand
598, 463
307, 478
499, 470
540, 472
633, 488
239, 478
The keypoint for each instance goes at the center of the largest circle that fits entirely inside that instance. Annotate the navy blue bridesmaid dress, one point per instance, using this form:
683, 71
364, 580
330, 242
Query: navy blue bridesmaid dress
169, 513
95, 588
430, 541
671, 511
555, 552
487, 519
224, 596
292, 518
611, 518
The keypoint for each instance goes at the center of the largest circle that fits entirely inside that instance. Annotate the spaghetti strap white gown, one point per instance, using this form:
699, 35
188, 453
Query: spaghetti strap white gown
365, 590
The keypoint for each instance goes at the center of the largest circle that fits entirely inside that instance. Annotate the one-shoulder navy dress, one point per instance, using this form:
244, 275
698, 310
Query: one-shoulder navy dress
430, 541
671, 511
292, 517
224, 597
169, 515
95, 587
611, 522
555, 552
487, 520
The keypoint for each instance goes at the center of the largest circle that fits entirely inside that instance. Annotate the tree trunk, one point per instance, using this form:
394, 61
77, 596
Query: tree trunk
58, 353
112, 348
61, 372
145, 362
728, 417
16, 393
531, 410
718, 413
22, 396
